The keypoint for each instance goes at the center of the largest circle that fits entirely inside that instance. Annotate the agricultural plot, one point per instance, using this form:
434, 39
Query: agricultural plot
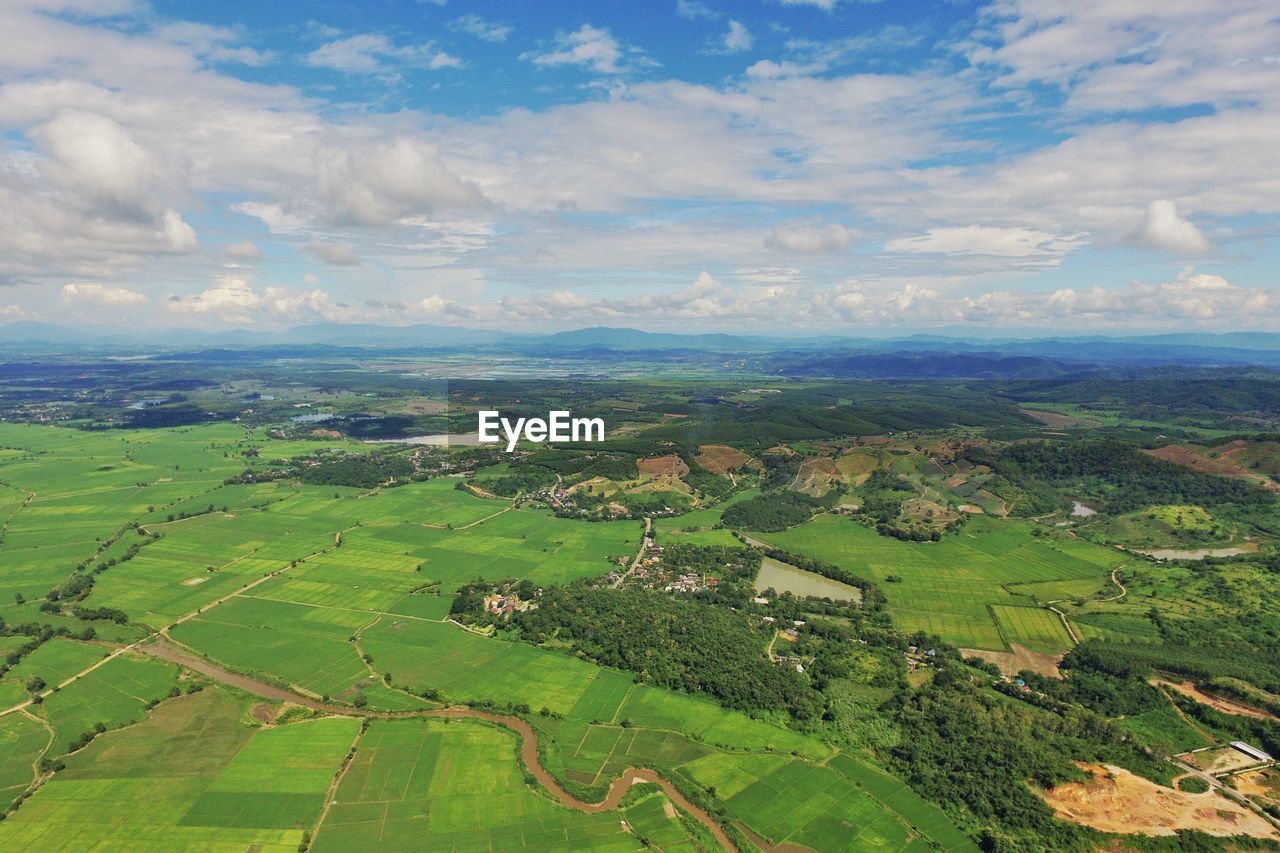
191, 776
795, 803
1036, 628
464, 666
947, 587
22, 742
436, 503
115, 694
304, 646
595, 755
440, 785
53, 663
655, 823
522, 544
87, 487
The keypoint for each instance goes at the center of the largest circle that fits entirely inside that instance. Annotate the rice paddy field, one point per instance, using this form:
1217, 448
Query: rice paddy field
452, 785
337, 592
970, 589
191, 776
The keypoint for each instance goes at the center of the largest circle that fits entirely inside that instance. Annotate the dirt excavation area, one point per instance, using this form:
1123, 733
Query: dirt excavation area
1226, 706
1115, 800
1013, 662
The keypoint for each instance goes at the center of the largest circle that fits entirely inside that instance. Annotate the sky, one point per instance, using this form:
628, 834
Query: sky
782, 166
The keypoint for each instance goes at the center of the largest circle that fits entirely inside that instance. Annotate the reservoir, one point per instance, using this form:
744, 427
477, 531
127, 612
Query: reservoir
787, 578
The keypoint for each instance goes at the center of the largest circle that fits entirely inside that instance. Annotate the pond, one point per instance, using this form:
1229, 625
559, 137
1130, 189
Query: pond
787, 578
1080, 510
461, 439
1198, 553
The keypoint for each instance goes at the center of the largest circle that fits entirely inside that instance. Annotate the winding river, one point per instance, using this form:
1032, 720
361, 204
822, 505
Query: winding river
528, 739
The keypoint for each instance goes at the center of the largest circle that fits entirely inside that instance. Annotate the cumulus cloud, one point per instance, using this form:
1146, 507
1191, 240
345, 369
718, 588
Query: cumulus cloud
234, 299
99, 294
337, 254
230, 299
246, 250
1164, 229
592, 47
477, 26
96, 156
810, 239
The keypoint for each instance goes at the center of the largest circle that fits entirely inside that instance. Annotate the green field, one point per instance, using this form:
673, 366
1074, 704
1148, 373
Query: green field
452, 785
192, 775
948, 588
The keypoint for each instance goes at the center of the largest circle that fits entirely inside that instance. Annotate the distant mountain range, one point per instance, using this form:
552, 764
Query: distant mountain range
816, 355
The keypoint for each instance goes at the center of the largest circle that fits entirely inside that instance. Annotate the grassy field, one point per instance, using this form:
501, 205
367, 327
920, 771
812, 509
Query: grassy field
355, 572
948, 588
452, 785
22, 741
191, 776
115, 694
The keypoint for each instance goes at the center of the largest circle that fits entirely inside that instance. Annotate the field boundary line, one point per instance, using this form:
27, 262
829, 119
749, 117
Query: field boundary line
331, 795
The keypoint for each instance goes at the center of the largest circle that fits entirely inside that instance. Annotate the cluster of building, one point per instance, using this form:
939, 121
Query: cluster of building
504, 604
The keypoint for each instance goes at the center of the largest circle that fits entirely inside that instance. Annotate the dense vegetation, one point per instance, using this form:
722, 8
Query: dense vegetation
671, 642
1122, 476
771, 512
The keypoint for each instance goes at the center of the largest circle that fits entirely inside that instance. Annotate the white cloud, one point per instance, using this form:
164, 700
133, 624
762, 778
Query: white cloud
99, 294
1163, 228
246, 250
337, 254
691, 10
231, 299
1022, 243
737, 39
372, 53
13, 313
824, 5
592, 47
810, 239
96, 156
480, 28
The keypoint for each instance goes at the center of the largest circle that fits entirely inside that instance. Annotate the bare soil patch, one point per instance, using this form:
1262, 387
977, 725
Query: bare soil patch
195, 581
1196, 458
1115, 800
721, 459
263, 713
669, 467
1226, 706
815, 476
1012, 662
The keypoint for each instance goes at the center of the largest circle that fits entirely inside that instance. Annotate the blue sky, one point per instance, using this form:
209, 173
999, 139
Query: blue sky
1018, 166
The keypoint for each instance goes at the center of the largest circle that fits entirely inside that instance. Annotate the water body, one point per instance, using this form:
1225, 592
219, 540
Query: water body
1197, 554
460, 439
313, 418
787, 578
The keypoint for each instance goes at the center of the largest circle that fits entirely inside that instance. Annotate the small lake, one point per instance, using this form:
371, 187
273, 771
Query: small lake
1197, 554
461, 439
787, 578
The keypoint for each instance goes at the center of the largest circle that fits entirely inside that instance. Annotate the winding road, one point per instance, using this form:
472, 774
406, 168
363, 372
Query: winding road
528, 739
